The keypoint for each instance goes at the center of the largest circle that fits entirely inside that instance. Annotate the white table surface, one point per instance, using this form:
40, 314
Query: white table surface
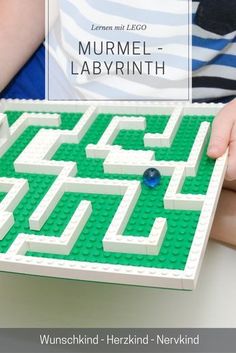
27, 301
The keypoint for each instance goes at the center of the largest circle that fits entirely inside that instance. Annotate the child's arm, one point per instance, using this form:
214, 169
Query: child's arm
22, 30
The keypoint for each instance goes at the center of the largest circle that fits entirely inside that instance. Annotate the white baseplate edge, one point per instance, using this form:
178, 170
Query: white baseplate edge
122, 274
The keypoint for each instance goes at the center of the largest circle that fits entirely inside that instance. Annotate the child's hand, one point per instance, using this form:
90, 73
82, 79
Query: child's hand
223, 136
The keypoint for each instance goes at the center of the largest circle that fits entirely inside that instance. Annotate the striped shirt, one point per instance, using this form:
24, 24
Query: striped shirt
167, 27
214, 50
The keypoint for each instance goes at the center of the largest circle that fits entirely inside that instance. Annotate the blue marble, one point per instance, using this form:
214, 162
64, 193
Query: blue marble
152, 177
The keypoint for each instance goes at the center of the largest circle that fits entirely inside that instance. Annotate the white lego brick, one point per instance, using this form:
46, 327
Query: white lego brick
50, 167
69, 169
41, 145
77, 223
41, 119
80, 129
96, 186
176, 182
16, 190
113, 168
4, 146
166, 138
197, 149
4, 127
44, 244
18, 127
57, 245
19, 247
153, 140
131, 122
135, 108
156, 237
38, 148
4, 134
166, 167
188, 202
6, 222
96, 151
126, 156
202, 109
123, 161
128, 245
46, 206
110, 133
6, 184
88, 185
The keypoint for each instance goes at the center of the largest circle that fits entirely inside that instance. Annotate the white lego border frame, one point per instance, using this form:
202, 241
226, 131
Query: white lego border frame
143, 276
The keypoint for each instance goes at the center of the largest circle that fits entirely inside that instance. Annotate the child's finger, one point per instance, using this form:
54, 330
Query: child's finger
221, 132
231, 170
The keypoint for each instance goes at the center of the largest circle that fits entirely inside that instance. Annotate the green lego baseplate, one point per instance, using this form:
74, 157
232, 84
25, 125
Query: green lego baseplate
182, 224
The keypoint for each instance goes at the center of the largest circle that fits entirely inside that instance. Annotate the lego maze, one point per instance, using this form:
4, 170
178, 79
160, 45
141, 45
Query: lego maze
74, 202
